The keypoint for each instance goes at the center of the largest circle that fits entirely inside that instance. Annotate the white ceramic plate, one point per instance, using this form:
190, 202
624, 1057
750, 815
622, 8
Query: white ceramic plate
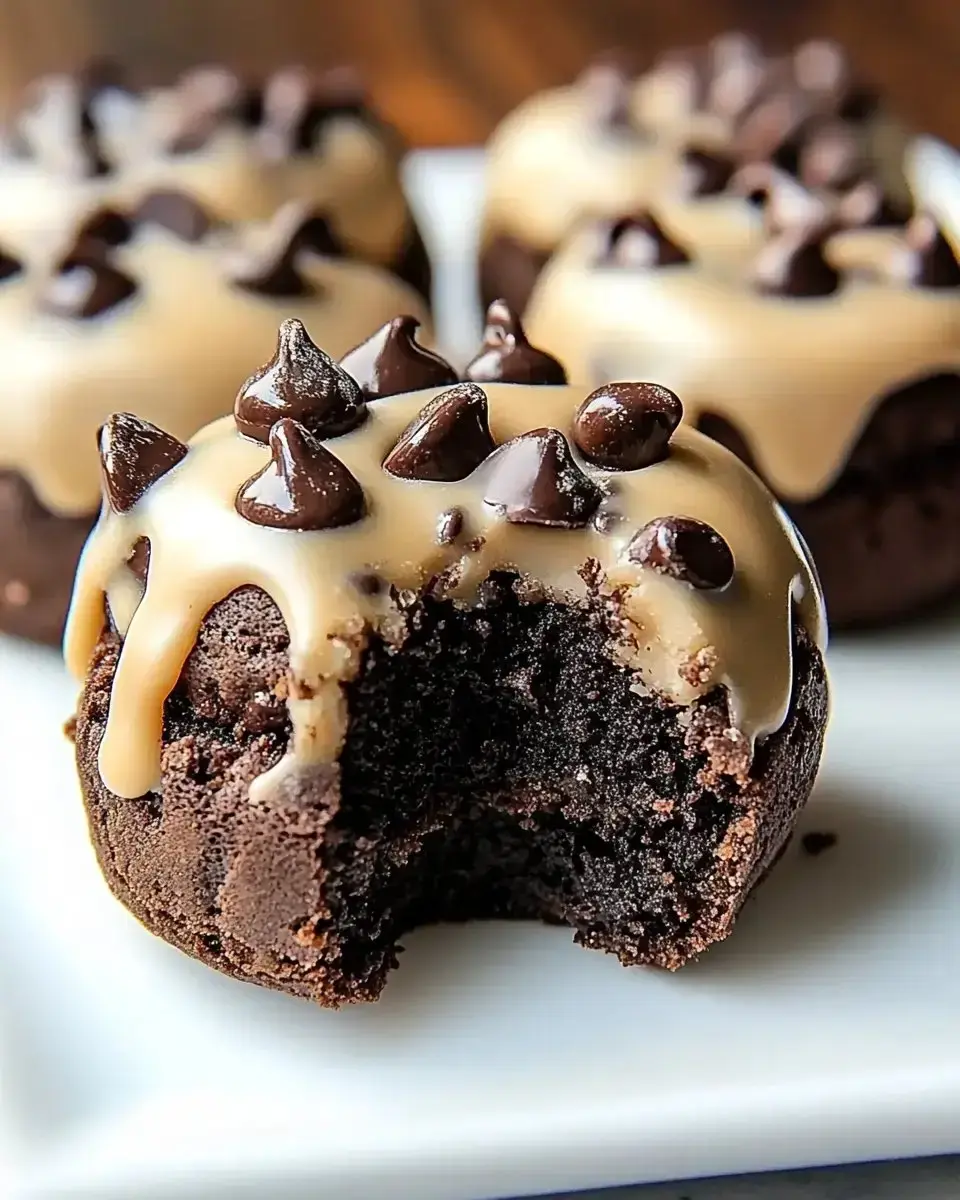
503, 1060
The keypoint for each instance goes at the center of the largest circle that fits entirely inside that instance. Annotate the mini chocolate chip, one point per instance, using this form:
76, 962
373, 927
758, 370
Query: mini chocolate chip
106, 227
793, 264
133, 455
930, 261
505, 356
270, 269
535, 481
302, 487
392, 361
449, 526
605, 86
685, 549
301, 382
639, 241
85, 286
176, 211
831, 156
705, 173
296, 107
868, 205
626, 426
9, 266
447, 440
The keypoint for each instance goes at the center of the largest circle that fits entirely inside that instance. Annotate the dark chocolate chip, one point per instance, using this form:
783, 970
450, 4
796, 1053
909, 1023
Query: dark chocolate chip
105, 226
639, 241
867, 204
447, 440
449, 526
392, 361
297, 106
793, 264
85, 285
831, 157
685, 549
302, 487
75, 146
930, 261
606, 88
9, 266
138, 561
626, 426
787, 204
705, 173
301, 382
176, 211
271, 268
506, 356
133, 455
535, 481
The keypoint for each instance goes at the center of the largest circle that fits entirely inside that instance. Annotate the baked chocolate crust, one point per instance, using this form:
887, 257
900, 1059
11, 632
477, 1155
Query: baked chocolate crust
508, 270
512, 793
39, 552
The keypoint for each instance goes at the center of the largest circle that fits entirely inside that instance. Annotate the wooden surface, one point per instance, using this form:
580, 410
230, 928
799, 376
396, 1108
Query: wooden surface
446, 70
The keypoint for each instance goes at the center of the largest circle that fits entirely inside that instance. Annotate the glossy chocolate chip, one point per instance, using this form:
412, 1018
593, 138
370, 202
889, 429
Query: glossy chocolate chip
639, 241
176, 211
534, 480
626, 426
449, 526
930, 260
106, 227
9, 266
297, 105
793, 264
300, 382
270, 268
303, 486
391, 361
705, 173
447, 440
685, 549
133, 455
831, 157
505, 356
84, 286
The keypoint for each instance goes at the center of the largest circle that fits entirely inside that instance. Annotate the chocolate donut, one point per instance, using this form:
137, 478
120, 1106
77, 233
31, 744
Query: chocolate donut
671, 141
158, 308
358, 659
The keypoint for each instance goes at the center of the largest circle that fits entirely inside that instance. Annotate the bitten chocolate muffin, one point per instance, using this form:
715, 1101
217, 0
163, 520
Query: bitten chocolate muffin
494, 647
827, 356
158, 308
240, 148
669, 141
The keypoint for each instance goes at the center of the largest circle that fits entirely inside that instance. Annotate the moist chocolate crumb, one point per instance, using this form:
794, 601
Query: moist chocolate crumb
816, 842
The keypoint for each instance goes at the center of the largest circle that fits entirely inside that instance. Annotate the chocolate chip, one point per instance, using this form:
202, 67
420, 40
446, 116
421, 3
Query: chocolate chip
506, 356
270, 269
772, 129
639, 241
204, 99
793, 264
85, 286
685, 549
302, 487
176, 211
133, 455
605, 86
74, 147
301, 382
705, 173
831, 156
534, 480
787, 204
449, 526
738, 72
138, 560
868, 205
296, 107
447, 440
392, 361
626, 426
820, 66
9, 266
105, 226
930, 261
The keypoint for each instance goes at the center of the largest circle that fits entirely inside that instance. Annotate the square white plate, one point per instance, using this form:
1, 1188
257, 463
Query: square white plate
503, 1060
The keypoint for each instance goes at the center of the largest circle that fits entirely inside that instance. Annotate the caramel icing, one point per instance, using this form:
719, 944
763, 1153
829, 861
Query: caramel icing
201, 549
174, 351
799, 377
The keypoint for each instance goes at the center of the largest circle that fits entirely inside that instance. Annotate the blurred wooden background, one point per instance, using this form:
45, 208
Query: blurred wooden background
446, 70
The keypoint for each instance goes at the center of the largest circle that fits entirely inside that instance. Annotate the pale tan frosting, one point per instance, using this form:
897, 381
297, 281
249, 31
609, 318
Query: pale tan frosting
798, 377
201, 550
175, 353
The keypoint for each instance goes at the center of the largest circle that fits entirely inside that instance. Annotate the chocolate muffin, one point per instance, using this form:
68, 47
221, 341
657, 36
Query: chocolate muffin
827, 356
477, 649
157, 308
669, 141
240, 148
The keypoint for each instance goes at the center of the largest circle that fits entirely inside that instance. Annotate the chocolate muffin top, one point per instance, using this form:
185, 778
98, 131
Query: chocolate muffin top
343, 509
158, 306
